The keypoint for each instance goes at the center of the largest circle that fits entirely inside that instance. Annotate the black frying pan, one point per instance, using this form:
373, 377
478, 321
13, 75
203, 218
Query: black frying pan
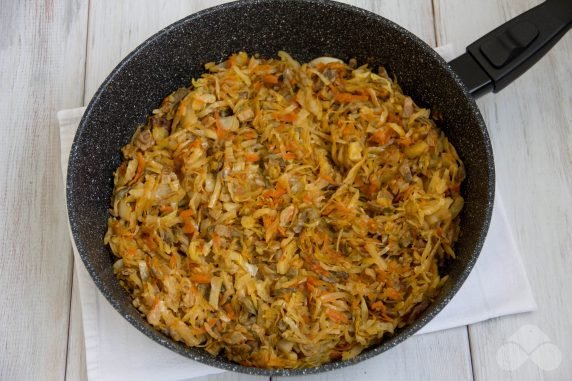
307, 29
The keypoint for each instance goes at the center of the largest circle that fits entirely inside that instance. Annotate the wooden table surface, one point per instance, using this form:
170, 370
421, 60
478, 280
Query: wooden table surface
54, 55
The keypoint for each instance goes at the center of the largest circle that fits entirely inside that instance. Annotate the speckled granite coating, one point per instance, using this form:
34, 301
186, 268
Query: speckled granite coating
306, 29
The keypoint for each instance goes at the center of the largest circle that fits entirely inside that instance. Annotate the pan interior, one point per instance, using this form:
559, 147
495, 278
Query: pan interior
306, 29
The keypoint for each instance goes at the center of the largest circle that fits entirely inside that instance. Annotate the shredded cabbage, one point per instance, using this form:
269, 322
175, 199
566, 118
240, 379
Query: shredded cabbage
285, 214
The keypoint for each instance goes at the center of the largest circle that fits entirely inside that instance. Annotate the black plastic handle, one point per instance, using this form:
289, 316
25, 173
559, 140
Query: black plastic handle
501, 56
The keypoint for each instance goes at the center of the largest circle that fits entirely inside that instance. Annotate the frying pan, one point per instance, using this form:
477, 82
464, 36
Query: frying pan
306, 29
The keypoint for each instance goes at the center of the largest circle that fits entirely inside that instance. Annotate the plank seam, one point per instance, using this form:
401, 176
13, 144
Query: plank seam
86, 52
69, 319
64, 175
435, 30
470, 353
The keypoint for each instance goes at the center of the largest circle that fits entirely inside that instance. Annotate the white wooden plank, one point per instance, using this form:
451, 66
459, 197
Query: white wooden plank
414, 15
530, 128
42, 46
116, 28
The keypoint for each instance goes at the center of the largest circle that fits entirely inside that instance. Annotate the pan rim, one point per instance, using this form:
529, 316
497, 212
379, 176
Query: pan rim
199, 354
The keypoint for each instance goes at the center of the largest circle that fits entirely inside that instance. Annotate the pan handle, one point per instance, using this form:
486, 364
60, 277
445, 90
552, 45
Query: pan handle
501, 56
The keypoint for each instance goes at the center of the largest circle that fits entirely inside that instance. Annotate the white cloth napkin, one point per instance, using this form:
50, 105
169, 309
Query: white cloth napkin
115, 350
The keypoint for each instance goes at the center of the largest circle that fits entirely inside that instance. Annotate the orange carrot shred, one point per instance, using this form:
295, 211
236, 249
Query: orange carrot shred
289, 117
201, 278
197, 142
186, 214
392, 293
270, 79
189, 228
336, 316
220, 132
251, 157
166, 208
289, 156
378, 306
